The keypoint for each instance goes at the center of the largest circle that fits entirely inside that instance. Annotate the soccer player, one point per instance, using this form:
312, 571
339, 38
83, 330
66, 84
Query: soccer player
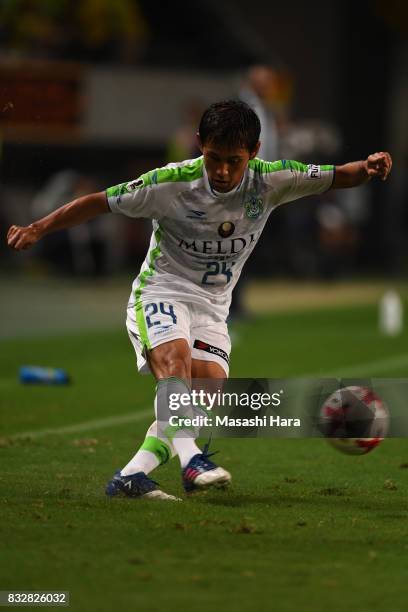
208, 214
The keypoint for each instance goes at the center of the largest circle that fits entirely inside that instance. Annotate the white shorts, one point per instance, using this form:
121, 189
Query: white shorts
158, 321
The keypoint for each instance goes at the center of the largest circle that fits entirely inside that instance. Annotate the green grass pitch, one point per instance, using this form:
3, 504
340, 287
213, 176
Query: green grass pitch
302, 527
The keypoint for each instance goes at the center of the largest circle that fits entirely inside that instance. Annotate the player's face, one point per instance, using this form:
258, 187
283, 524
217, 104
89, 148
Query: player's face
225, 167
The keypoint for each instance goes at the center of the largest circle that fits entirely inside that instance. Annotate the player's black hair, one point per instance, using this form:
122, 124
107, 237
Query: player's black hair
230, 123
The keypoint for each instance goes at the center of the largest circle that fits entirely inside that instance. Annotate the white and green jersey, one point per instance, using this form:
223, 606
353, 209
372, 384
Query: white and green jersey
202, 238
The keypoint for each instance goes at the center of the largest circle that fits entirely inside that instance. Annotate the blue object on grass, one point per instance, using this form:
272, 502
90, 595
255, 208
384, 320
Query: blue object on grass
35, 375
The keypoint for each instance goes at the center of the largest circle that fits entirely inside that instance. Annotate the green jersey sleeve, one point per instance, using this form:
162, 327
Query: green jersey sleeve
152, 194
287, 180
137, 198
298, 180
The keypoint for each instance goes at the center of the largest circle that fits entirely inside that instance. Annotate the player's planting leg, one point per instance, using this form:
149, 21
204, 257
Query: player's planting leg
156, 450
136, 485
132, 480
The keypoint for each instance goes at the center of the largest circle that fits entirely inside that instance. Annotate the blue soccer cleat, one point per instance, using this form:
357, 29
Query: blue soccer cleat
136, 485
202, 473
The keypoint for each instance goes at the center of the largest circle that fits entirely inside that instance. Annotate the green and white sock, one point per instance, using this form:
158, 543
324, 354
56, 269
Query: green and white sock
155, 450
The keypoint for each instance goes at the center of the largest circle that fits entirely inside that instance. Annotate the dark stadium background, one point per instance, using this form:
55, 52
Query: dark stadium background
346, 63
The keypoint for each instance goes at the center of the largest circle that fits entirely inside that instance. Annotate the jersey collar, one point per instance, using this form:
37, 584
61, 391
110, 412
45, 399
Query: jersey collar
227, 194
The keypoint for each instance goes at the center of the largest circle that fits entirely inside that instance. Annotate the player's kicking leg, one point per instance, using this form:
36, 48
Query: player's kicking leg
201, 472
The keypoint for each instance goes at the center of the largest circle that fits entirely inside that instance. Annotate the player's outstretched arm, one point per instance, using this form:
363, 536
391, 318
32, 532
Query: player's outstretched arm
359, 172
74, 213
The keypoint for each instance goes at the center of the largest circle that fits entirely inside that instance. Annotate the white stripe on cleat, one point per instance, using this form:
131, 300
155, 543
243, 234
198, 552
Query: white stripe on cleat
160, 495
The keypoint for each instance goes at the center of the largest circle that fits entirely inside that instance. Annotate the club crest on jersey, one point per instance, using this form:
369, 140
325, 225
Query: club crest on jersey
253, 207
226, 229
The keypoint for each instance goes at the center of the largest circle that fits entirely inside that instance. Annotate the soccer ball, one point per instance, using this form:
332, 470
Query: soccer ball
354, 420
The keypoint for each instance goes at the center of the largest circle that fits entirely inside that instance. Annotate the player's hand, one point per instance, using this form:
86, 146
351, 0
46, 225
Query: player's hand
20, 238
379, 165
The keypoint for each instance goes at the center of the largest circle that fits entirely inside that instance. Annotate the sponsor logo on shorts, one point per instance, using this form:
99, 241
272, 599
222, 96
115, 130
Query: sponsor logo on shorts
313, 171
209, 348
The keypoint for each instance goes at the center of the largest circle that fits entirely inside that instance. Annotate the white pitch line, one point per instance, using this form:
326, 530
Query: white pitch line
381, 365
121, 419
